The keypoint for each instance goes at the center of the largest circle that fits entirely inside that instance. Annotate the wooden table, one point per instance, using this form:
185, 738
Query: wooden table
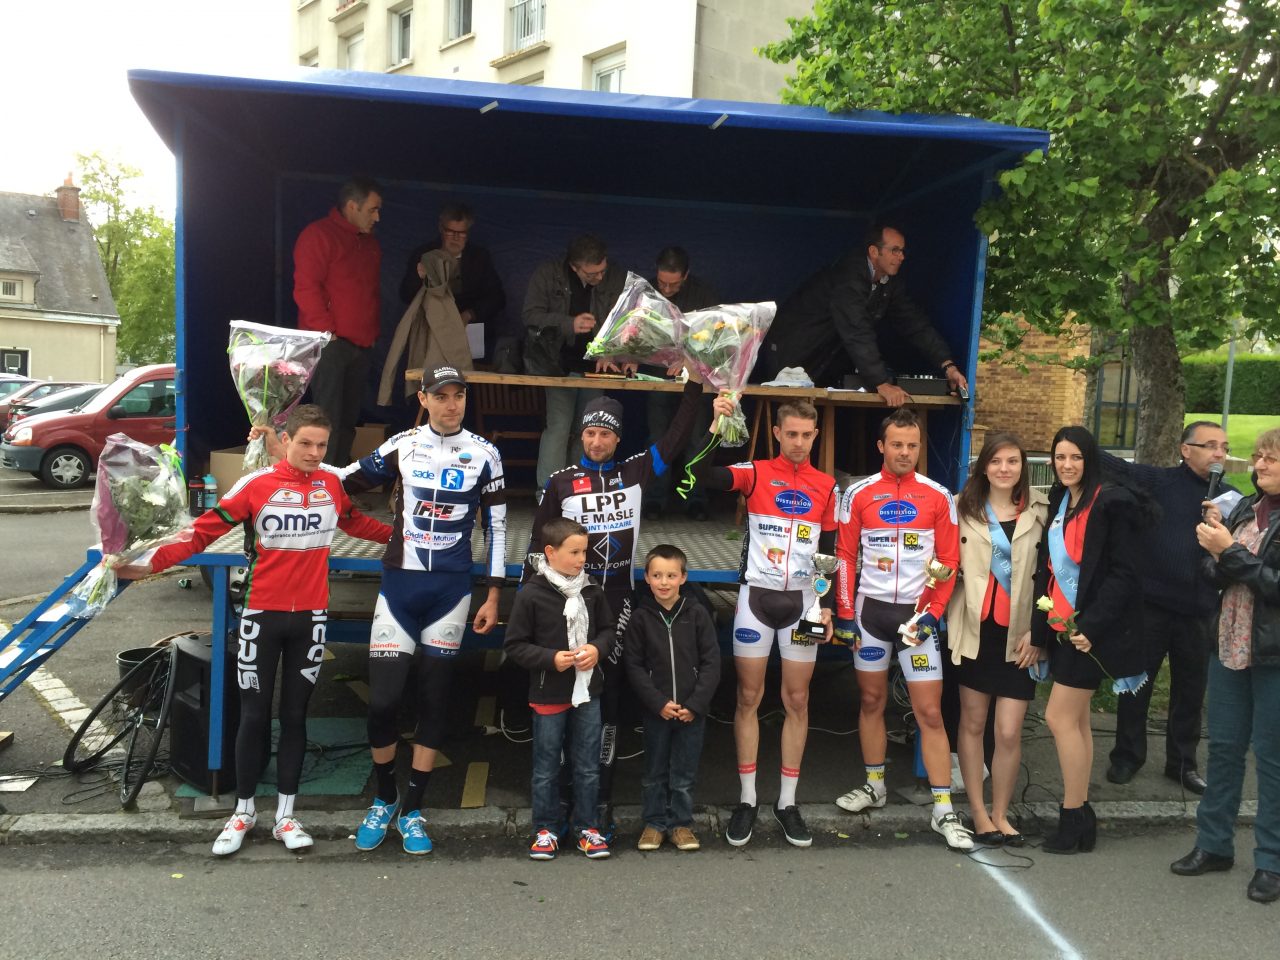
826, 400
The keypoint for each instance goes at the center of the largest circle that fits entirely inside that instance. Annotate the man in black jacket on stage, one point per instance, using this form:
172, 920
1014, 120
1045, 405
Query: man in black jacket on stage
850, 314
477, 287
1179, 607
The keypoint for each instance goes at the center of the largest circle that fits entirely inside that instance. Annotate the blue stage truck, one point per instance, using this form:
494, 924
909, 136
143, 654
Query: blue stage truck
763, 195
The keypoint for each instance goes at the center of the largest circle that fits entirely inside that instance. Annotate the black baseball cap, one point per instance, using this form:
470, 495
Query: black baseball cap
437, 377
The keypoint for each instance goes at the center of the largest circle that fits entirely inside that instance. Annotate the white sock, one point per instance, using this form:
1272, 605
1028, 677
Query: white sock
246, 806
747, 783
787, 792
284, 805
875, 777
941, 801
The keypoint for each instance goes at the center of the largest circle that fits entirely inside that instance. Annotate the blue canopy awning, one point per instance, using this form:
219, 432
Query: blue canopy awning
551, 139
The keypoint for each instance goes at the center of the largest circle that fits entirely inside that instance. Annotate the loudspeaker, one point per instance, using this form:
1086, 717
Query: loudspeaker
189, 715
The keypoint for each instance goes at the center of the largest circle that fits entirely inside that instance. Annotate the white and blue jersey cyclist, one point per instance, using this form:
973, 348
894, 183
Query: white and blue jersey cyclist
446, 482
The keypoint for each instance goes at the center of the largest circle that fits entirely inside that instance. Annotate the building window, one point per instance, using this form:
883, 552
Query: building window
353, 46
1115, 403
606, 72
311, 59
459, 24
528, 23
15, 360
401, 36
11, 289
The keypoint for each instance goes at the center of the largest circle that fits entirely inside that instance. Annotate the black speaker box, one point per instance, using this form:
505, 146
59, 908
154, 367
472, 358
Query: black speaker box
189, 715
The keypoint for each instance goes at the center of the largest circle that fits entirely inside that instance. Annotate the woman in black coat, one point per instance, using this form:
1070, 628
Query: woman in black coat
1243, 558
1088, 575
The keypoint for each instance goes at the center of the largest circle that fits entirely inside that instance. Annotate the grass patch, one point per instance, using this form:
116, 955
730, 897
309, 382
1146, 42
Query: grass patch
1104, 701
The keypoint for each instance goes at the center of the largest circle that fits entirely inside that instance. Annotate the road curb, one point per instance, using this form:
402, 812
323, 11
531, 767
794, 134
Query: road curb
509, 823
43, 508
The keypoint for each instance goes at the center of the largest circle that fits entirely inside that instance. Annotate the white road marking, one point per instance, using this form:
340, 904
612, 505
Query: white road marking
1028, 907
58, 698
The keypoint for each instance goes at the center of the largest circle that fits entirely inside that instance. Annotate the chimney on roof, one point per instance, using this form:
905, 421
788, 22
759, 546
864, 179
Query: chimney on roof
69, 200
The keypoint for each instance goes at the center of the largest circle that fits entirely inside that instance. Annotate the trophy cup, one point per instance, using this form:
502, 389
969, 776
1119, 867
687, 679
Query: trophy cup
810, 629
935, 572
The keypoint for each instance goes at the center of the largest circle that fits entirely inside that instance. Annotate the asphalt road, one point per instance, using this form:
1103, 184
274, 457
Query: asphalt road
37, 551
885, 899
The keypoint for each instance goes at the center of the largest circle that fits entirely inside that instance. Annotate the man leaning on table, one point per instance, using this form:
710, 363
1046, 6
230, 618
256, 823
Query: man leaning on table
855, 314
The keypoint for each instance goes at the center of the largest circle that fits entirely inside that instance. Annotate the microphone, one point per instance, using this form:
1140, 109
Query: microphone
1215, 480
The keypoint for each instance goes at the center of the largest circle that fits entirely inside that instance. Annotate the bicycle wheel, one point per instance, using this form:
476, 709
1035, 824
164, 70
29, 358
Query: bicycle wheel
150, 723
111, 718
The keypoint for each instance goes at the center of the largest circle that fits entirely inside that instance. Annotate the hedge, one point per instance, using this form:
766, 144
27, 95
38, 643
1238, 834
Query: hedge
1255, 383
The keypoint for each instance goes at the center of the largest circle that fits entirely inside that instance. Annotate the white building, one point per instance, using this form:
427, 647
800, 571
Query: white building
678, 48
57, 318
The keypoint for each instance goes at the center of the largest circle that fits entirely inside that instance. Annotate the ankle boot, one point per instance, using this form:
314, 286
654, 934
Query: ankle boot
1089, 839
1067, 838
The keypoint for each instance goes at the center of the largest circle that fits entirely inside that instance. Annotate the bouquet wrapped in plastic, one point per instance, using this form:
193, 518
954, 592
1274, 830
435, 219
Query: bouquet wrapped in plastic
140, 503
722, 344
643, 327
271, 367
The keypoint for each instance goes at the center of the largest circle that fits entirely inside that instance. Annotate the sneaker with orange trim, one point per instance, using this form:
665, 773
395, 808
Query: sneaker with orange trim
593, 844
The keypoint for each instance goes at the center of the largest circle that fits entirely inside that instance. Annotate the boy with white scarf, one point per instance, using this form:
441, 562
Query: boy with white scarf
560, 622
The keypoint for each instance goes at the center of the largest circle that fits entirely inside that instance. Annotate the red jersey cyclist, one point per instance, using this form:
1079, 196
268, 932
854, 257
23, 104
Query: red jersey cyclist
790, 517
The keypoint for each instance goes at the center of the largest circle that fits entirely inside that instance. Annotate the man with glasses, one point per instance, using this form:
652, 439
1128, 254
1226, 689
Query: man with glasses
477, 288
1179, 607
688, 292
854, 314
565, 304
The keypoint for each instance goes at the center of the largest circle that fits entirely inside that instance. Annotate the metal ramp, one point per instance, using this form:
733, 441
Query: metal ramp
43, 631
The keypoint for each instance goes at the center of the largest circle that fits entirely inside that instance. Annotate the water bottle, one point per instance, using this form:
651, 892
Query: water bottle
210, 491
197, 496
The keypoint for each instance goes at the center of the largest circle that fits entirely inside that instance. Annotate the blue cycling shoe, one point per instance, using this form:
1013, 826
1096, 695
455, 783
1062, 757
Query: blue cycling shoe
374, 828
413, 833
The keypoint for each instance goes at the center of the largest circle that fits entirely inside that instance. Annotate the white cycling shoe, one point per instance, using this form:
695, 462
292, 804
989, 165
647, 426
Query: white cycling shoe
958, 837
290, 832
861, 798
233, 834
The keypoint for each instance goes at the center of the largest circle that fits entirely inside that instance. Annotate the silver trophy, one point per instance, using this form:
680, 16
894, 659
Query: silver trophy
810, 629
935, 572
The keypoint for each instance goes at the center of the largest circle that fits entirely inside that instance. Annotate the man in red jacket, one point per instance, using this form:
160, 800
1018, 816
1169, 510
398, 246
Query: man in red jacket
336, 262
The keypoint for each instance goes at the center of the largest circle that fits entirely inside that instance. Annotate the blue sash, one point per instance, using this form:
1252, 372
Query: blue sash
1001, 553
1065, 570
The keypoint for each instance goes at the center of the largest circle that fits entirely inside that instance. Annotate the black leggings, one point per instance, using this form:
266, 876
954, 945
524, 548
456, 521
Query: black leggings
267, 636
388, 671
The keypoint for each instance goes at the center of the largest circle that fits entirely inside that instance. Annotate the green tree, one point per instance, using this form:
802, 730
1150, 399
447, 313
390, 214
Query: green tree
137, 249
1153, 212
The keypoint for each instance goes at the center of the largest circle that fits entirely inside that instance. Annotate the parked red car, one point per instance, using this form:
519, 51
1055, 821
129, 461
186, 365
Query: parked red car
62, 448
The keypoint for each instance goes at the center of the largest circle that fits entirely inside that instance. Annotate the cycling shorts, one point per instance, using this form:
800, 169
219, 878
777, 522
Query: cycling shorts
417, 607
878, 623
764, 615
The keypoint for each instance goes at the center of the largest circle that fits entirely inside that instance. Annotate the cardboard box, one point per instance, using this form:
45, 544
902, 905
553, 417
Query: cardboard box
367, 439
227, 466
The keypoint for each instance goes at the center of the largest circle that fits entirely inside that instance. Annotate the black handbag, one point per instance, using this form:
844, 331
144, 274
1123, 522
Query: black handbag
542, 348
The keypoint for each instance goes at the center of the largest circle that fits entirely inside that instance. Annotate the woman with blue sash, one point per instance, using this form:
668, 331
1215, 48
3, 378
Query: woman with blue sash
1089, 571
989, 625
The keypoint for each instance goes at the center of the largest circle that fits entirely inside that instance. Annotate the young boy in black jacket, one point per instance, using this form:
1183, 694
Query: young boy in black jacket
559, 624
673, 662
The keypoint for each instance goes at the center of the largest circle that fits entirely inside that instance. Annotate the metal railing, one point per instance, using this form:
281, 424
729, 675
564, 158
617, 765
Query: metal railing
528, 23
